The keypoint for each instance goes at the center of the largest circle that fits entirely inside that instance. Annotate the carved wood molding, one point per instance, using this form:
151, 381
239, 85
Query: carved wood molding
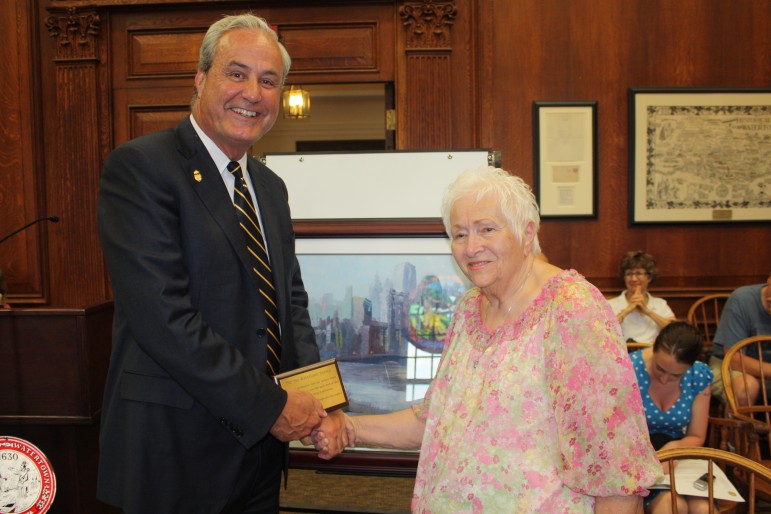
428, 23
76, 33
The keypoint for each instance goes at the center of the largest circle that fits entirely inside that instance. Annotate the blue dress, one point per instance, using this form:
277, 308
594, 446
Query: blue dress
673, 422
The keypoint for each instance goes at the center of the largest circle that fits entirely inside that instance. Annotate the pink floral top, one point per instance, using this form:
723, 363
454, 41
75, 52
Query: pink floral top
539, 415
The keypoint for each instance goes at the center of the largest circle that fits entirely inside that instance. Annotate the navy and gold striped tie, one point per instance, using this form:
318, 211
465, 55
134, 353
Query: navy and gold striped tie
255, 244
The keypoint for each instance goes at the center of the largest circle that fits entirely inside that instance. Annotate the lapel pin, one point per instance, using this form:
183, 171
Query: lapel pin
197, 176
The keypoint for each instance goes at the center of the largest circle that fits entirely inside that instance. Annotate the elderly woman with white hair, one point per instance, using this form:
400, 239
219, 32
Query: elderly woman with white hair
535, 405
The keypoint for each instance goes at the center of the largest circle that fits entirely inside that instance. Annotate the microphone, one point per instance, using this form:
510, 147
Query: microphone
52, 219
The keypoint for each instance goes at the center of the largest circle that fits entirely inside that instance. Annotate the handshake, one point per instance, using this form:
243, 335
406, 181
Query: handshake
304, 419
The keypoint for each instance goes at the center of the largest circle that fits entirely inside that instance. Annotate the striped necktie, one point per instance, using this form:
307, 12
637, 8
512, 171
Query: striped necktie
255, 244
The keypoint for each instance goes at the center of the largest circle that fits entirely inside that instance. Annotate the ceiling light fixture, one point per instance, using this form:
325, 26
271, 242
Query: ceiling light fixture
297, 103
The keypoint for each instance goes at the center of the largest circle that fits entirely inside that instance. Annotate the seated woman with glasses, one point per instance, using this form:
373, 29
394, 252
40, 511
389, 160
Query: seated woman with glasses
642, 316
675, 390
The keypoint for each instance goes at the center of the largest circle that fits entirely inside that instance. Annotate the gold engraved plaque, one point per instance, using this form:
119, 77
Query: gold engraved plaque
322, 380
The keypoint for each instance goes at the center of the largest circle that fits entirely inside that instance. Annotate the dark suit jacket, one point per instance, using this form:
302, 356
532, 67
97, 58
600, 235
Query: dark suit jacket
187, 394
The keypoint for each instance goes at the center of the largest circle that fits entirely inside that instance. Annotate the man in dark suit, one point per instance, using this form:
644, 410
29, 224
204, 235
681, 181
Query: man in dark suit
192, 421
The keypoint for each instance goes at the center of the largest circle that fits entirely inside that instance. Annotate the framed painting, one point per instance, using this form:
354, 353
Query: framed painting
699, 155
381, 307
565, 151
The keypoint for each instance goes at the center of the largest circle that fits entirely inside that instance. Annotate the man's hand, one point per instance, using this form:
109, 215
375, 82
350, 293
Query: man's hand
302, 413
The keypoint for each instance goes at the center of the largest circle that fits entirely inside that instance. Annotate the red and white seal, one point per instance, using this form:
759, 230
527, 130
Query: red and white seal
27, 480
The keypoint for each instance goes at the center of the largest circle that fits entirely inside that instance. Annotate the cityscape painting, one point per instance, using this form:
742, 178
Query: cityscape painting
381, 307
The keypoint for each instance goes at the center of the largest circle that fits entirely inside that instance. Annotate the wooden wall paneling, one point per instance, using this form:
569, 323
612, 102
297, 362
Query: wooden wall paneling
597, 50
59, 363
329, 52
464, 87
423, 118
341, 42
165, 52
484, 77
22, 257
422, 98
148, 109
77, 133
155, 54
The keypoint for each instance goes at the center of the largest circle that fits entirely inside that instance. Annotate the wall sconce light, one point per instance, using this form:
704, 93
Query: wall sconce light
297, 103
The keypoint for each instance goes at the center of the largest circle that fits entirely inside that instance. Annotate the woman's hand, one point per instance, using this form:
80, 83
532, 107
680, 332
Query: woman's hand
350, 430
625, 312
331, 437
639, 299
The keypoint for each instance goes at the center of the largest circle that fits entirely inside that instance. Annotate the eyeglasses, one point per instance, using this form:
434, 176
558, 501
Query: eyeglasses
635, 274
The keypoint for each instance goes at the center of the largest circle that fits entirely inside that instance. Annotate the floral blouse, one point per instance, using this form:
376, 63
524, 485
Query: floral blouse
540, 415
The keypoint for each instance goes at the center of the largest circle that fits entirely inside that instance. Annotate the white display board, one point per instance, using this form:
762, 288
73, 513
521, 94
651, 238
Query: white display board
366, 185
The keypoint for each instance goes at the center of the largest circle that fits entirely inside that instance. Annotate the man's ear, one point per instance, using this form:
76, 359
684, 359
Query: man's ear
200, 80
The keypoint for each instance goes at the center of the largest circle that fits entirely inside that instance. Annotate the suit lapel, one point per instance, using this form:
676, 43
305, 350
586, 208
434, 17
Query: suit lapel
206, 181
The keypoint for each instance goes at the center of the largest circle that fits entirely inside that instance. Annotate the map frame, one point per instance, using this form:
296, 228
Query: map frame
699, 155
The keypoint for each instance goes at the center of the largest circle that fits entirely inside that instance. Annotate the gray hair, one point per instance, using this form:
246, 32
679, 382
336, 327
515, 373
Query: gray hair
514, 197
239, 21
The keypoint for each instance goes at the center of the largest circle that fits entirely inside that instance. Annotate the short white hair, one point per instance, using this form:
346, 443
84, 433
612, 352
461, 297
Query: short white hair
512, 194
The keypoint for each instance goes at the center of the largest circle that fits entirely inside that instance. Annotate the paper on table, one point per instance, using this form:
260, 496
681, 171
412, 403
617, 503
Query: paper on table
688, 471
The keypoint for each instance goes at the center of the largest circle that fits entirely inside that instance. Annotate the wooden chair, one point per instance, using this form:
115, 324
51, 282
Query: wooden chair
733, 435
735, 359
704, 314
758, 446
735, 466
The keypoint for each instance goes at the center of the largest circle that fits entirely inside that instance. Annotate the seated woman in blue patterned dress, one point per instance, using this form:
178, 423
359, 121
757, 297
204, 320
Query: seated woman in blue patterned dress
675, 390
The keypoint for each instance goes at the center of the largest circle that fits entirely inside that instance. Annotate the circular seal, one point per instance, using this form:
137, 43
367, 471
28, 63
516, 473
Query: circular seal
27, 480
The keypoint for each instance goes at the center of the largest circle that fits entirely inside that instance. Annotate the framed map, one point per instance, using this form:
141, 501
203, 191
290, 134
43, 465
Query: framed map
699, 155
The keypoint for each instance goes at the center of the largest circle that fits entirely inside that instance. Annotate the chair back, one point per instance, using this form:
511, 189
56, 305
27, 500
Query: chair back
752, 474
747, 357
704, 314
734, 435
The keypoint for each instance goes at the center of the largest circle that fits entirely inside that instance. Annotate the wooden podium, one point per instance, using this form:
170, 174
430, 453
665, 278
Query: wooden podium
54, 365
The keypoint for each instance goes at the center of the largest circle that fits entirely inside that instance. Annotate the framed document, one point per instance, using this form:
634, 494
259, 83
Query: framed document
322, 380
565, 154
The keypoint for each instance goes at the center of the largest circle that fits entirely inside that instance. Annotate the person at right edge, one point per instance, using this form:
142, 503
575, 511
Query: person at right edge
198, 241
535, 406
747, 313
